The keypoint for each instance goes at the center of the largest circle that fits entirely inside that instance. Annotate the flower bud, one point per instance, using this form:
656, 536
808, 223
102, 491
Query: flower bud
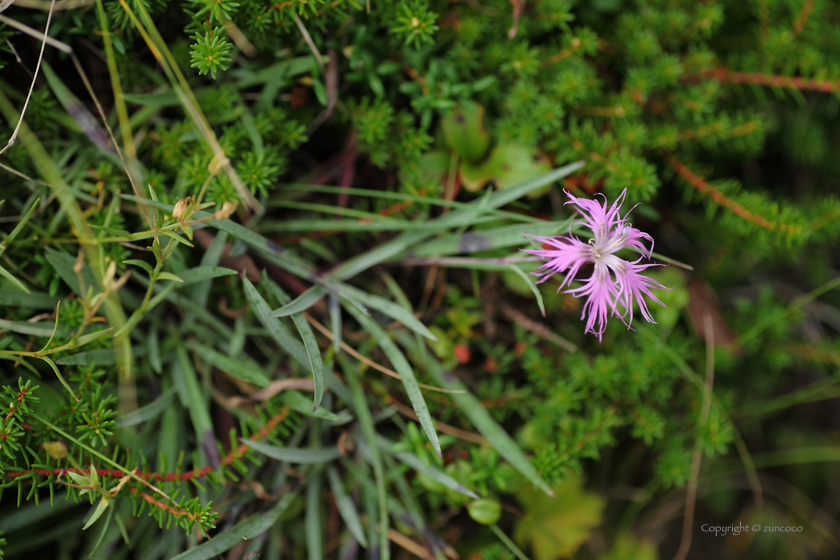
56, 449
180, 208
225, 211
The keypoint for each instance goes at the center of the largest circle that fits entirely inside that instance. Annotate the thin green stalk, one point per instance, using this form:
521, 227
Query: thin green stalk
112, 305
119, 101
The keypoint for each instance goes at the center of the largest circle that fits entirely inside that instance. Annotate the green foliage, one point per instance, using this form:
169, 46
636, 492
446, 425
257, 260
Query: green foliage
380, 161
211, 51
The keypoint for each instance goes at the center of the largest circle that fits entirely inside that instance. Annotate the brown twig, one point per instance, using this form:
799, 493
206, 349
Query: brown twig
535, 327
771, 80
705, 188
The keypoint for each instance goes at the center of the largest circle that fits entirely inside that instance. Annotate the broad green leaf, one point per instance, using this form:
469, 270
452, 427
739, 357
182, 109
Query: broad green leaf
241, 367
302, 455
464, 131
628, 546
346, 508
303, 302
389, 308
506, 166
556, 527
201, 273
403, 368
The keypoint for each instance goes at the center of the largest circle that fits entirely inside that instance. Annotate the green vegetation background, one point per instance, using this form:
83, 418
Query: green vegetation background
262, 293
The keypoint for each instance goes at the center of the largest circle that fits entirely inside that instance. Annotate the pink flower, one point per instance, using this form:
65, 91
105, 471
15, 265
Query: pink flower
615, 283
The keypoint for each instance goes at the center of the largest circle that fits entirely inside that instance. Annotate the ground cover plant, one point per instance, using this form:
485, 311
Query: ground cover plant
484, 279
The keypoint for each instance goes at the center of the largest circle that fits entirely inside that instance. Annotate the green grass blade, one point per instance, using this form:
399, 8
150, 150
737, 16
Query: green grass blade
250, 528
60, 377
10, 277
303, 302
346, 508
149, 411
435, 474
201, 273
403, 368
369, 434
33, 300
19, 227
389, 308
312, 519
484, 239
275, 328
531, 286
300, 403
239, 367
300, 455
211, 257
313, 353
481, 419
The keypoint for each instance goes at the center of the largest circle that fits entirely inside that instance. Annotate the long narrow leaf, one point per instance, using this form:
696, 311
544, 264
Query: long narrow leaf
303, 302
251, 528
302, 455
389, 308
346, 508
415, 463
240, 368
402, 367
19, 227
309, 343
275, 328
312, 519
201, 273
369, 434
481, 419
